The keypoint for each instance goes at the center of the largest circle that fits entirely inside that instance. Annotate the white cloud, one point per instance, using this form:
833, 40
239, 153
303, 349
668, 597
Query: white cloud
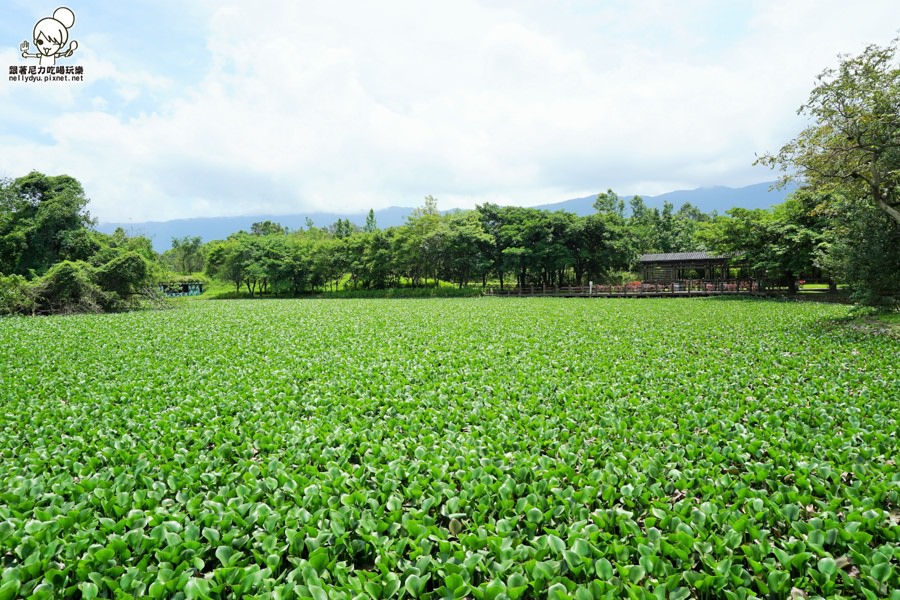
313, 106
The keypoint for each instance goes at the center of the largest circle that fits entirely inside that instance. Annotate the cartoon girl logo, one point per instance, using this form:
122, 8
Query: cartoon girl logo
50, 35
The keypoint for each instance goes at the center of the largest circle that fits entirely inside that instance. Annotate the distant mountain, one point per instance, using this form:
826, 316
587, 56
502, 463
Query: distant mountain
219, 228
717, 198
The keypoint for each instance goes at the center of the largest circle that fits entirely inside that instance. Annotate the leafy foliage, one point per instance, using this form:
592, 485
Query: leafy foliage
42, 221
377, 449
16, 295
778, 244
69, 287
854, 141
186, 255
508, 243
862, 248
55, 262
850, 155
124, 275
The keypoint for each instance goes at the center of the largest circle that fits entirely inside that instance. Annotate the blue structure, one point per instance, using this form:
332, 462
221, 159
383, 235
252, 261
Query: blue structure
184, 288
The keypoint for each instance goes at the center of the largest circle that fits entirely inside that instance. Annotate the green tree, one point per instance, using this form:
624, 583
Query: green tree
609, 247
550, 253
423, 243
328, 263
127, 275
379, 264
186, 254
853, 143
342, 228
466, 248
665, 228
610, 203
291, 268
643, 226
652, 230
353, 250
684, 228
492, 219
371, 223
42, 222
226, 260
780, 245
267, 228
860, 247
430, 206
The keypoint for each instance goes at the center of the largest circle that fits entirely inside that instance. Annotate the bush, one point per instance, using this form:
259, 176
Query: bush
77, 287
68, 287
126, 274
16, 296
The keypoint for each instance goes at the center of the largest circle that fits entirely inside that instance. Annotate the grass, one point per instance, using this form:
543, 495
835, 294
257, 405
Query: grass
217, 290
880, 322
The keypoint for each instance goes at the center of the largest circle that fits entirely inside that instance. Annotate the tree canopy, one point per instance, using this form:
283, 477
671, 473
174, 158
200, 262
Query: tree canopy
853, 142
53, 261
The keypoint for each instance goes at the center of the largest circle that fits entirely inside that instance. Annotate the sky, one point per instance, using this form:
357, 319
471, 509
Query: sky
239, 107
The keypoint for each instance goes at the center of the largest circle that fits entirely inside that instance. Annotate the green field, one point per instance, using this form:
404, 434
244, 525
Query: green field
482, 448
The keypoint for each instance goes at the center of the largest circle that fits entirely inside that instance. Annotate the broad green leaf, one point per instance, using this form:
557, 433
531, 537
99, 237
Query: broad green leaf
225, 554
827, 566
10, 589
88, 590
317, 592
534, 515
636, 573
778, 580
196, 588
604, 569
556, 544
415, 585
881, 571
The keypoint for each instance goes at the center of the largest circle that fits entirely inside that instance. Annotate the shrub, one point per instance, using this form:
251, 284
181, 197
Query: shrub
16, 295
68, 287
125, 275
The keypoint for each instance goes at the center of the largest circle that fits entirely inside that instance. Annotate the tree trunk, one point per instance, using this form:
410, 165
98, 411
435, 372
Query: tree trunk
890, 210
792, 284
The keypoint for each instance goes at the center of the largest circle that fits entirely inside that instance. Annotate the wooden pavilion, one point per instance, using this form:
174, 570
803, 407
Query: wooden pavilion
680, 266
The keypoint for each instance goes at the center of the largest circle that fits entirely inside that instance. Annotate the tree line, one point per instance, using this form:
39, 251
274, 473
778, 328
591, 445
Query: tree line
821, 236
504, 245
53, 260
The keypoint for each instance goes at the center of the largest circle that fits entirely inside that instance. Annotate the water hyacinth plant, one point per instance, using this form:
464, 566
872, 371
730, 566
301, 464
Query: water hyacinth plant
482, 448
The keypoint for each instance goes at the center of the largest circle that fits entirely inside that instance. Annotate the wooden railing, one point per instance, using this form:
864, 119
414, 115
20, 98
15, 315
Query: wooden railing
687, 287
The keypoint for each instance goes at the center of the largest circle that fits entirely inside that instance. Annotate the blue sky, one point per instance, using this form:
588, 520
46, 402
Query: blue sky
219, 108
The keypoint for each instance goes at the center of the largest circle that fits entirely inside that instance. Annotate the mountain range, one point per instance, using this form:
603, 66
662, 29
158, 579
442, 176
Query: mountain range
708, 199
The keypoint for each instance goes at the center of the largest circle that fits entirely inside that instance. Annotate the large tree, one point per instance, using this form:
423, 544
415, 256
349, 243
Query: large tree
186, 254
853, 142
42, 221
779, 244
861, 247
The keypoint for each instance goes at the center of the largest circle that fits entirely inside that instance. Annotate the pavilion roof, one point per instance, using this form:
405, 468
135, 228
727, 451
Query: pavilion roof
683, 256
